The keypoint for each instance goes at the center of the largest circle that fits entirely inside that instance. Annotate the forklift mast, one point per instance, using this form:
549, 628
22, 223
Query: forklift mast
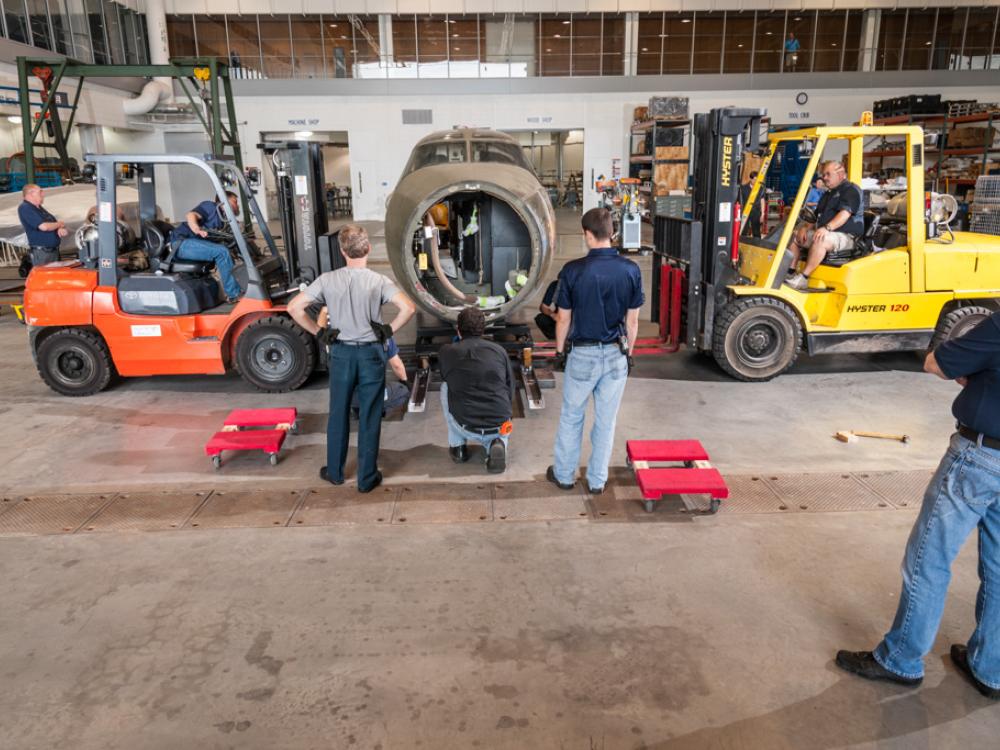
706, 247
310, 248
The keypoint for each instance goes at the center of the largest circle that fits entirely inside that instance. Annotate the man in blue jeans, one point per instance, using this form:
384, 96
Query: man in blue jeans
963, 495
477, 394
599, 299
354, 296
189, 240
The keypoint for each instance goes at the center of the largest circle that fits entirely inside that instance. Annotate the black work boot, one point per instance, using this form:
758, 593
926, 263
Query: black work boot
459, 453
550, 474
863, 664
326, 477
960, 655
496, 457
375, 483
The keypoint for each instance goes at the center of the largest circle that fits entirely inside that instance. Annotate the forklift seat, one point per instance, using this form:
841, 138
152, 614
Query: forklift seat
155, 236
863, 246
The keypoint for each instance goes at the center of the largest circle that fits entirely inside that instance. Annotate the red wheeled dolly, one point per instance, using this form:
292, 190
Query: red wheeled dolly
695, 477
234, 435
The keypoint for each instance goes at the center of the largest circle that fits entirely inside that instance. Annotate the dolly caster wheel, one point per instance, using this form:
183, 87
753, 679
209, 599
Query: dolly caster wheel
713, 505
273, 458
294, 429
217, 462
648, 504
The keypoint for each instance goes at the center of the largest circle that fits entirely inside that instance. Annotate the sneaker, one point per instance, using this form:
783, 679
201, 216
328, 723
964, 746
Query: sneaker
863, 664
960, 655
459, 453
496, 457
797, 281
550, 474
326, 477
595, 490
373, 485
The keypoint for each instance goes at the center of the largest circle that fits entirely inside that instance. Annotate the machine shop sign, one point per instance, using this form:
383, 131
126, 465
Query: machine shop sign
304, 121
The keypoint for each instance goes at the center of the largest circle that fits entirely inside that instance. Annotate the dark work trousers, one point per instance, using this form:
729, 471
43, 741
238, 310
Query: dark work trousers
360, 368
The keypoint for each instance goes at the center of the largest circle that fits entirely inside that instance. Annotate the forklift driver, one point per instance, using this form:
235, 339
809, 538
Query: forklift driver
839, 223
189, 239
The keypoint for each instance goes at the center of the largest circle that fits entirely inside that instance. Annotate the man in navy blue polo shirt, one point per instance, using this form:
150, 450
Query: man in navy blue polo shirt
963, 495
189, 239
599, 299
44, 231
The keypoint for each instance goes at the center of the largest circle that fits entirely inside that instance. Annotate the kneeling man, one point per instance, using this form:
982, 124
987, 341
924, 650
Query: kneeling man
477, 393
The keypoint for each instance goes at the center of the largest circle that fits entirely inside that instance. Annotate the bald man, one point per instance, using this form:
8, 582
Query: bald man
44, 230
840, 221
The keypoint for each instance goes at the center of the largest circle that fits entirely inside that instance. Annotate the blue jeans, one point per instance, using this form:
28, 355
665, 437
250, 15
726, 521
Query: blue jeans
601, 371
196, 248
361, 369
963, 495
458, 435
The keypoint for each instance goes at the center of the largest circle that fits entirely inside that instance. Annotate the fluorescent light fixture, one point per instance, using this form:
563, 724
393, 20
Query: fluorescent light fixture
557, 36
685, 20
566, 23
16, 119
333, 25
645, 49
302, 134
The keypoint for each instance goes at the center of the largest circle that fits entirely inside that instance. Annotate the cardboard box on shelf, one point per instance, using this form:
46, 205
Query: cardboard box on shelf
640, 113
970, 136
751, 163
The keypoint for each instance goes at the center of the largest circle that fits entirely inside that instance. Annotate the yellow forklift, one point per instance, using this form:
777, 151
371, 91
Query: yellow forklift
909, 283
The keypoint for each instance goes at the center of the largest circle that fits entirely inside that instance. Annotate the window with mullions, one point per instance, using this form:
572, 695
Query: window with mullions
62, 32
979, 46
678, 36
131, 35
432, 46
211, 31
920, 30
828, 44
708, 32
38, 15
113, 29
769, 42
95, 22
466, 44
739, 40
554, 45
307, 47
649, 47
180, 35
798, 42
890, 39
338, 42
404, 47
946, 53
366, 48
585, 43
612, 44
275, 45
17, 21
244, 47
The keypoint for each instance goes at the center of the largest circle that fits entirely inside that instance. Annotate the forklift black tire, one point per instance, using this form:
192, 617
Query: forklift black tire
275, 355
75, 362
756, 338
958, 322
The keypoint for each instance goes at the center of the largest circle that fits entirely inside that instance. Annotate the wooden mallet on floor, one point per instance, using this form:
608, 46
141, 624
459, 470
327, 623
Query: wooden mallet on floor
851, 436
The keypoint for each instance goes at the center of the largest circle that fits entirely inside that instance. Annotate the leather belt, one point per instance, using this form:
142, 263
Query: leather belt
355, 343
613, 342
969, 434
481, 431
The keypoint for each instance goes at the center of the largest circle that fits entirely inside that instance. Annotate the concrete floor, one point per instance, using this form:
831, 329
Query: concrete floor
700, 632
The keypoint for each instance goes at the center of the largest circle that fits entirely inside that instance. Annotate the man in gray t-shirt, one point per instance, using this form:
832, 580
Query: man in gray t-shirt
354, 296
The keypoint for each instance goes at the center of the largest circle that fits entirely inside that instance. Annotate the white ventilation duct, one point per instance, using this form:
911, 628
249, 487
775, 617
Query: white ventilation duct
159, 89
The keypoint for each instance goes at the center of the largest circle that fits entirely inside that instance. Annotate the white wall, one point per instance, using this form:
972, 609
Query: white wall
380, 145
337, 165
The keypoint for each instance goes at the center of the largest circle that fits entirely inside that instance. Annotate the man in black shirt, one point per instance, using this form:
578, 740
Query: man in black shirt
477, 393
963, 495
840, 221
546, 318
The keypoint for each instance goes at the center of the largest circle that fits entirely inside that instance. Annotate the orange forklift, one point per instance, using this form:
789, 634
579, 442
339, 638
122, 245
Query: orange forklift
90, 320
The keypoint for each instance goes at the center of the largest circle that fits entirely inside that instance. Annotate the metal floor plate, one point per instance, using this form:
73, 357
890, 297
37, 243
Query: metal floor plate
444, 503
149, 511
749, 493
345, 505
51, 514
537, 501
904, 489
824, 492
246, 509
